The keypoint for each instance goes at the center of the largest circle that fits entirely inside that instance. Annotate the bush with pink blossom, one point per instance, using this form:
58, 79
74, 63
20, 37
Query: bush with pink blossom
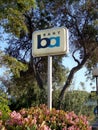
41, 118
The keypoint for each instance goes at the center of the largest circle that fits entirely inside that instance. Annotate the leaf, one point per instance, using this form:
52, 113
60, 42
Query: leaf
28, 128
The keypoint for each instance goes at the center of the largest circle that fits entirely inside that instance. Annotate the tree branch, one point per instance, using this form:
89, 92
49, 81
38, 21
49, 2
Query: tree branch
75, 57
70, 77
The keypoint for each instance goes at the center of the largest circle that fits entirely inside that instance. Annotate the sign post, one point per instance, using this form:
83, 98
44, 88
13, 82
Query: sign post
95, 74
50, 82
50, 42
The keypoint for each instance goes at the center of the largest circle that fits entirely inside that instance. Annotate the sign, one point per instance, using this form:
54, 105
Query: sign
50, 42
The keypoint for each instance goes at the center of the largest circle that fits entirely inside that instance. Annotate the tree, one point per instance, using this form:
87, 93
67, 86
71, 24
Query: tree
80, 17
75, 101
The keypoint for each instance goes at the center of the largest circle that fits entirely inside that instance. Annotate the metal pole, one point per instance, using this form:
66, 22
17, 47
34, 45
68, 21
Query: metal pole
97, 84
50, 82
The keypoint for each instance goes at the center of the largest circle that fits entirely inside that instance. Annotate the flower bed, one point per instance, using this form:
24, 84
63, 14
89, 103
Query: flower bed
40, 118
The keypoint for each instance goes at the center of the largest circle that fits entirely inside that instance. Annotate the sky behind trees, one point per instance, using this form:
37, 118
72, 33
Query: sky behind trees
89, 85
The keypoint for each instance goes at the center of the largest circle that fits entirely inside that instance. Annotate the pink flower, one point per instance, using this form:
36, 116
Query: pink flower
57, 111
47, 112
76, 120
67, 116
26, 120
15, 115
16, 118
71, 128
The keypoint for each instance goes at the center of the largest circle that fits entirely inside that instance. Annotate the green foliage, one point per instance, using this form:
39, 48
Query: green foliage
13, 12
4, 108
75, 100
55, 98
30, 94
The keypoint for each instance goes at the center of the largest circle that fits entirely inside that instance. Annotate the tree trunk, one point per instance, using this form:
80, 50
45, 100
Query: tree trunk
70, 78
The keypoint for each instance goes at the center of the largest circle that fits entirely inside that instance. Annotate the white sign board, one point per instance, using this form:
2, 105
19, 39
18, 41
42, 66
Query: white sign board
50, 42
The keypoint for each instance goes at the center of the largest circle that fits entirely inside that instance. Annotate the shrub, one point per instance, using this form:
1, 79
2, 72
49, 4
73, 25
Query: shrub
40, 118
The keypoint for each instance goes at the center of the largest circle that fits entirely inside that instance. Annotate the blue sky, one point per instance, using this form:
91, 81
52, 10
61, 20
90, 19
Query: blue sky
79, 76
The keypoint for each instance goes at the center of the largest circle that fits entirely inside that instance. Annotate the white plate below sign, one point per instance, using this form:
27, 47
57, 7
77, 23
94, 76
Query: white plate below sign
50, 42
